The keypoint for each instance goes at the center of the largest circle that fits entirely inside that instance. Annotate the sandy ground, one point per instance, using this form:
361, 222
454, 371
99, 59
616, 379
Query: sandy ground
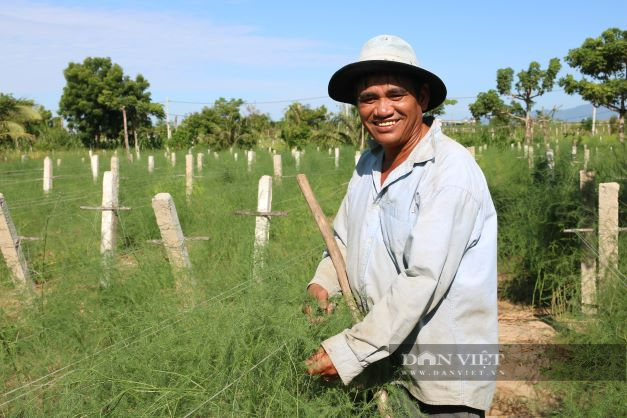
520, 325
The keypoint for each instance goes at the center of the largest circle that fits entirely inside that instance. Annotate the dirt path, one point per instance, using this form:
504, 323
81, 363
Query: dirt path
519, 325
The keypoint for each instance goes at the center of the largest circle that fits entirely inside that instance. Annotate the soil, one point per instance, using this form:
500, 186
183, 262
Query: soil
521, 325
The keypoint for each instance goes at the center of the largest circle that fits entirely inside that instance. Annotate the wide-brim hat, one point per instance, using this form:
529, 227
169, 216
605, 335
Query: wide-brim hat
385, 54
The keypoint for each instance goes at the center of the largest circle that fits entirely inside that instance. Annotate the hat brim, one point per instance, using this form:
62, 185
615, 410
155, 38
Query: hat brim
342, 83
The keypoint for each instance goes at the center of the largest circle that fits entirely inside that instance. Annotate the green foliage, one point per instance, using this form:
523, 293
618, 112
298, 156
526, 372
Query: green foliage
302, 124
236, 347
94, 95
15, 117
603, 59
222, 126
530, 83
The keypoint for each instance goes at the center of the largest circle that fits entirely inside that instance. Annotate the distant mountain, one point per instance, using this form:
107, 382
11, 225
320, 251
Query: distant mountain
575, 114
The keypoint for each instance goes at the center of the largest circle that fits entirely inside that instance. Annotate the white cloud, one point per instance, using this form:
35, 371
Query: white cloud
173, 50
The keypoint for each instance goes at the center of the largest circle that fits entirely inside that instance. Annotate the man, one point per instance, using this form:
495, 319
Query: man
418, 230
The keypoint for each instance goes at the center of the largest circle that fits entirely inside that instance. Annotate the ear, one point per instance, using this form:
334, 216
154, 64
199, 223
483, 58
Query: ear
423, 97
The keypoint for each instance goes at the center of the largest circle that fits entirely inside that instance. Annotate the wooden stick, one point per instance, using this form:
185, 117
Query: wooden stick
381, 395
334, 250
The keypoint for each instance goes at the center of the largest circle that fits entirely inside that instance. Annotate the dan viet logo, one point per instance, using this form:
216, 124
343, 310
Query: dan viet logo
427, 358
481, 365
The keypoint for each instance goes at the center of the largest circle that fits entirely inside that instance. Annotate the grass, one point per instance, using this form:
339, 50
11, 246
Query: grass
236, 347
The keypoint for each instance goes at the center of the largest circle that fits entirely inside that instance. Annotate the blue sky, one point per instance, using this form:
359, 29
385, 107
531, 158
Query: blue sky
274, 51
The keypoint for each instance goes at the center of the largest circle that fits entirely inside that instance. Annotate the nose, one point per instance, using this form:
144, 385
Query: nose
384, 108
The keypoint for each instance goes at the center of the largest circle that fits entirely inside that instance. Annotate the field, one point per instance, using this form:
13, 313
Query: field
236, 346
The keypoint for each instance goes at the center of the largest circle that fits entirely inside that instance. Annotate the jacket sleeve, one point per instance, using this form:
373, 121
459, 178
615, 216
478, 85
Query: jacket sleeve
437, 241
325, 275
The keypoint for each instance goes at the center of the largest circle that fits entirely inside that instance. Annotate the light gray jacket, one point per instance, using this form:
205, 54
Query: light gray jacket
421, 260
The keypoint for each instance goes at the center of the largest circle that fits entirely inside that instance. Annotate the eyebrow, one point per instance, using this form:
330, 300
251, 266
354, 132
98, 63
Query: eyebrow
395, 91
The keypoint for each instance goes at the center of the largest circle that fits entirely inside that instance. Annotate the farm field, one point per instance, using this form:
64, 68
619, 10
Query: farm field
236, 346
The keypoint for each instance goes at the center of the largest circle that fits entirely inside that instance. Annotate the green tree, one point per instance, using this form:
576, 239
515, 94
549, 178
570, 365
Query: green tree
220, 126
301, 124
95, 94
604, 60
530, 84
15, 115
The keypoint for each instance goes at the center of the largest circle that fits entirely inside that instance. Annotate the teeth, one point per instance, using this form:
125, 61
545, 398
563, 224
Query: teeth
386, 123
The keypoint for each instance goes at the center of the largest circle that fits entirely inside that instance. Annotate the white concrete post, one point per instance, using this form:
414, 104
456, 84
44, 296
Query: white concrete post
337, 157
573, 150
588, 260
526, 150
12, 251
608, 229
235, 157
94, 167
109, 212
216, 155
47, 174
550, 158
297, 159
530, 154
586, 158
171, 233
189, 175
278, 166
200, 157
115, 169
250, 155
262, 223
151, 163
58, 162
173, 159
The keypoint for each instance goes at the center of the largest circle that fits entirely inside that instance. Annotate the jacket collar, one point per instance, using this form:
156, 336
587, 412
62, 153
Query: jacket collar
422, 152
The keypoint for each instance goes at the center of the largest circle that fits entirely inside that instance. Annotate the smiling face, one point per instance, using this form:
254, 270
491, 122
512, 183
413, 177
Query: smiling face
391, 109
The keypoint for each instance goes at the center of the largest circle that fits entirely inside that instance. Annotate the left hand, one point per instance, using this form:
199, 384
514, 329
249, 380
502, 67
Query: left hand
320, 363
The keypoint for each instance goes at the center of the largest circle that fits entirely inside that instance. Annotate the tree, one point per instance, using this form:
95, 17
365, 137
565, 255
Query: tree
95, 93
604, 60
15, 115
302, 124
531, 83
220, 126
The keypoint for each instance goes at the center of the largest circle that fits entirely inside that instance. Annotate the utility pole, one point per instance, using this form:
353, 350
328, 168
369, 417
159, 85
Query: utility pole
167, 117
594, 119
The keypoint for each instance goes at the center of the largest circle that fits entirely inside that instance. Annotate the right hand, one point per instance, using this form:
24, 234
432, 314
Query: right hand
322, 298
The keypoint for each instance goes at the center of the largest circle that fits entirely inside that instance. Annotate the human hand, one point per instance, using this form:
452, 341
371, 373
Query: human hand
322, 298
320, 364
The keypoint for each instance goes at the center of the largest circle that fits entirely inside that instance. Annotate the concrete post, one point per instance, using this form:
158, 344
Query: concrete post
200, 157
278, 167
94, 167
608, 229
588, 260
47, 174
189, 175
12, 251
171, 233
262, 224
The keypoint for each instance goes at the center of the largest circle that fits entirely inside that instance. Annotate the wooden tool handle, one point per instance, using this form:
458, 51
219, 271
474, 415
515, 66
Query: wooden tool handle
332, 247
